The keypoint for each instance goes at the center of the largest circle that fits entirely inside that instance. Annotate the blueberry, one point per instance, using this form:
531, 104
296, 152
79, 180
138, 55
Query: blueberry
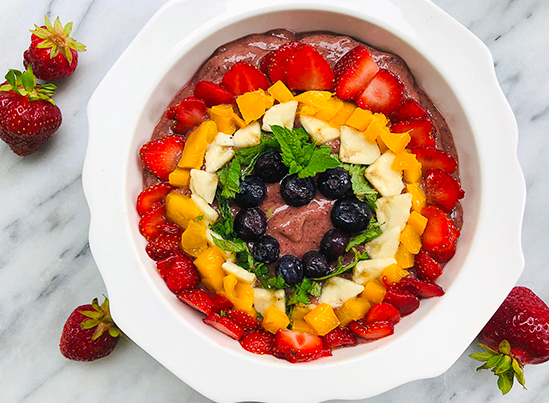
250, 223
290, 269
252, 192
266, 249
270, 168
350, 215
334, 183
315, 264
333, 244
297, 191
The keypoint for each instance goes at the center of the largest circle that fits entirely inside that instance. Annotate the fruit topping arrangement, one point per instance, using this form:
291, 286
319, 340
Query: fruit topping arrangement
302, 205
28, 114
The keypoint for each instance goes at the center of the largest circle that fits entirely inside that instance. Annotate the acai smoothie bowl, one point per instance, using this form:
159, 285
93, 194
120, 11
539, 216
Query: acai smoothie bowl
304, 192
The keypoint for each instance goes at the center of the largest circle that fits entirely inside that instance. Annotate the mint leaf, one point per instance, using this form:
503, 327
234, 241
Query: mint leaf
229, 178
370, 233
248, 156
320, 161
230, 246
224, 226
340, 269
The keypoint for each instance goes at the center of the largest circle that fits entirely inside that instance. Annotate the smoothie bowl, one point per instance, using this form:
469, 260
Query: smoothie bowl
461, 83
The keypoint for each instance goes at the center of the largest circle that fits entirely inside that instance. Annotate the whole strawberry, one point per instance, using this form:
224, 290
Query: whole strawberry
89, 333
516, 335
53, 54
28, 115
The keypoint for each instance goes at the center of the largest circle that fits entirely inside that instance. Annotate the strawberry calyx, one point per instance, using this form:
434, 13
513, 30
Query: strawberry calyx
25, 85
57, 38
100, 318
501, 363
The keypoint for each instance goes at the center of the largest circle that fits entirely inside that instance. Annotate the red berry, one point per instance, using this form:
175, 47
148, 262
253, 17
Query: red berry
151, 195
405, 302
243, 77
242, 319
353, 72
277, 64
212, 94
442, 190
421, 132
308, 70
426, 267
53, 54
382, 312
183, 275
198, 299
374, 330
89, 333
150, 225
258, 341
339, 337
187, 114
382, 94
440, 235
166, 244
434, 159
266, 62
419, 288
224, 325
220, 303
407, 110
297, 346
161, 156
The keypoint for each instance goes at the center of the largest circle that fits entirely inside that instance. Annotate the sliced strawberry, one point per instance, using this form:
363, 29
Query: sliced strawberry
164, 266
258, 341
405, 302
212, 94
435, 159
339, 337
279, 63
426, 267
150, 225
161, 156
374, 330
198, 299
308, 70
151, 195
440, 235
382, 312
442, 190
166, 244
224, 325
407, 110
382, 94
183, 275
266, 62
242, 319
419, 288
220, 303
187, 114
297, 345
243, 77
353, 72
421, 132
324, 352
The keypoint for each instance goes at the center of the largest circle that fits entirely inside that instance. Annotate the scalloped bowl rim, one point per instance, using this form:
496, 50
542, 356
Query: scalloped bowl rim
460, 84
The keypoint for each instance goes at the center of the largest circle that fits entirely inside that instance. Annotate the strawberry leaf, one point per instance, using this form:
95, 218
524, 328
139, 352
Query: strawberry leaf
481, 356
505, 382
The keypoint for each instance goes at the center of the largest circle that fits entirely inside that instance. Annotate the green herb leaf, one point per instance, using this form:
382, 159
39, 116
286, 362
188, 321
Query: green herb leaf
505, 382
230, 246
277, 283
342, 269
320, 161
370, 233
229, 178
316, 289
224, 226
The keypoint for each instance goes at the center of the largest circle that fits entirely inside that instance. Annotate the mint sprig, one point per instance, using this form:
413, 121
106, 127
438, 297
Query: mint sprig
229, 179
370, 233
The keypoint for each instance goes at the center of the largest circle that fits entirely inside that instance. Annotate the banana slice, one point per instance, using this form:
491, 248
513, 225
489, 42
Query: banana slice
337, 290
239, 272
248, 136
224, 140
210, 215
380, 174
367, 270
263, 299
280, 115
217, 156
384, 245
320, 131
355, 147
393, 211
204, 184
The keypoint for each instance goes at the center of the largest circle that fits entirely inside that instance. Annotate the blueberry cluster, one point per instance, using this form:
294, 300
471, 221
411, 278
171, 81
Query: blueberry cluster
349, 216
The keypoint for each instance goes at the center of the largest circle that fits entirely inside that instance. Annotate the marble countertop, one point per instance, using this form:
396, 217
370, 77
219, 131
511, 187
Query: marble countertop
46, 268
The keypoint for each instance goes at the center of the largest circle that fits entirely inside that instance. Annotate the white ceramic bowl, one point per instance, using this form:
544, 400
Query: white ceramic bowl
454, 68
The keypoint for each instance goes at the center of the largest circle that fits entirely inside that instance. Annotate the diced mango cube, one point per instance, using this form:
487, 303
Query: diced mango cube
193, 239
180, 177
329, 109
360, 119
209, 264
404, 258
322, 319
240, 293
181, 209
396, 142
411, 239
274, 319
343, 114
195, 146
394, 273
280, 92
299, 325
223, 116
404, 160
352, 309
377, 126
251, 105
382, 146
373, 292
418, 196
300, 311
417, 222
413, 174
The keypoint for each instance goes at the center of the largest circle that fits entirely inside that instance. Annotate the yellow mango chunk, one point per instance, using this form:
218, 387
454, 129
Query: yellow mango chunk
329, 109
300, 311
181, 209
274, 319
240, 293
280, 92
396, 142
343, 114
195, 146
251, 105
352, 309
223, 116
382, 146
373, 292
418, 196
360, 119
268, 100
404, 258
403, 160
299, 325
193, 239
322, 319
377, 126
394, 273
208, 264
180, 177
310, 102
417, 222
411, 239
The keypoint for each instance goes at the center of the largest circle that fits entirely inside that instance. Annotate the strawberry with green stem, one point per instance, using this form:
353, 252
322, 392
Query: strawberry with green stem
53, 54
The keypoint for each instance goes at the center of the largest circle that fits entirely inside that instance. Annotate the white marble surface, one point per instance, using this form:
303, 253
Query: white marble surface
46, 268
